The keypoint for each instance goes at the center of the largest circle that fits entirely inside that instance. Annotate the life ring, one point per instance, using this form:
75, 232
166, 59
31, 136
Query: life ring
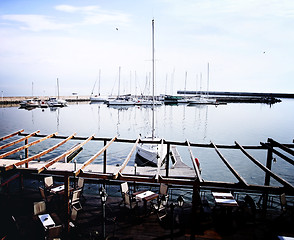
197, 162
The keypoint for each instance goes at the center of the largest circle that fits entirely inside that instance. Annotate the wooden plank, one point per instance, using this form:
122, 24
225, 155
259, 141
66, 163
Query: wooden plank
26, 146
127, 159
77, 172
265, 169
39, 154
286, 149
50, 163
197, 171
11, 135
236, 174
19, 140
289, 160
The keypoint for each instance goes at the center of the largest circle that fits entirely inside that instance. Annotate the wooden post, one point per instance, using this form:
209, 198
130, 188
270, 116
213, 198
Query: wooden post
26, 152
104, 158
167, 160
267, 178
196, 209
66, 203
21, 182
269, 166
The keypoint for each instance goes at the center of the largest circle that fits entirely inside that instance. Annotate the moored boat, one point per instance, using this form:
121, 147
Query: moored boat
29, 103
202, 100
152, 154
54, 102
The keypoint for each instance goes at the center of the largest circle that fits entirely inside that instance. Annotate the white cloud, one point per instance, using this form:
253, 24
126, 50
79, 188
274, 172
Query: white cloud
95, 15
103, 17
73, 9
35, 22
89, 15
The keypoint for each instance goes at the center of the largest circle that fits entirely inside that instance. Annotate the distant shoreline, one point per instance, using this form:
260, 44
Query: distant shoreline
248, 94
18, 99
84, 98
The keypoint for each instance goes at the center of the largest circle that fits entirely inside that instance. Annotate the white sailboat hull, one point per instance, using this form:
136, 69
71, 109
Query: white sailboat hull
148, 102
121, 102
98, 99
152, 154
54, 102
202, 100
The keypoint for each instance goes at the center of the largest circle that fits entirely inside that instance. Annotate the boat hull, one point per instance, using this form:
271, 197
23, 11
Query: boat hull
98, 99
150, 154
121, 102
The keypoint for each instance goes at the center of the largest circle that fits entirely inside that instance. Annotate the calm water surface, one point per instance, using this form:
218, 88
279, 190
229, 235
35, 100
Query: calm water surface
248, 124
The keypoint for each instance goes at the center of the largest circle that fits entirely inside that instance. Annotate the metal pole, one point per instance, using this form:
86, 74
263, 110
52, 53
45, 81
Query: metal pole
75, 169
167, 160
104, 158
172, 207
103, 219
135, 165
153, 78
66, 202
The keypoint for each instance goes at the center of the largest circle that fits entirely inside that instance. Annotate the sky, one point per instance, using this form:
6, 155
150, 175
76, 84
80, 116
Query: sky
247, 44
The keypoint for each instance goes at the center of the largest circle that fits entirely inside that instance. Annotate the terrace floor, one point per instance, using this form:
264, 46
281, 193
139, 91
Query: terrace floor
121, 223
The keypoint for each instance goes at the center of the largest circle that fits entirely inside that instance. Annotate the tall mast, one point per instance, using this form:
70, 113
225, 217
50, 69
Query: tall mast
185, 85
99, 82
118, 81
207, 78
57, 89
153, 78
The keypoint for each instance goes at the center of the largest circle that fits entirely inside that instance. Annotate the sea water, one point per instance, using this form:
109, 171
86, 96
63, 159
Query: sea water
245, 123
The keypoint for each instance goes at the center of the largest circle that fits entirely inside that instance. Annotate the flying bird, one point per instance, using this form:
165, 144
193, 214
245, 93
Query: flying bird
116, 29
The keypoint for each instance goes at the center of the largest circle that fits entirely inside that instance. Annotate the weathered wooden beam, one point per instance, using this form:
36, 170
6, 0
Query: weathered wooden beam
177, 143
94, 157
38, 155
212, 185
196, 168
235, 173
127, 159
26, 146
265, 169
289, 160
19, 140
283, 147
11, 135
50, 163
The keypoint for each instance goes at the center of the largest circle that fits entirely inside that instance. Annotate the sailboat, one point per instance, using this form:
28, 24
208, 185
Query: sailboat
151, 154
121, 100
97, 98
56, 102
203, 99
30, 103
184, 99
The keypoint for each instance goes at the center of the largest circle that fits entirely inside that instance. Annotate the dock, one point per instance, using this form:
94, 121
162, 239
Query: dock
180, 178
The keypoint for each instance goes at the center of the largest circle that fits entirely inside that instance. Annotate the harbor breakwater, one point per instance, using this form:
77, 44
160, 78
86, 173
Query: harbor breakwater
18, 99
